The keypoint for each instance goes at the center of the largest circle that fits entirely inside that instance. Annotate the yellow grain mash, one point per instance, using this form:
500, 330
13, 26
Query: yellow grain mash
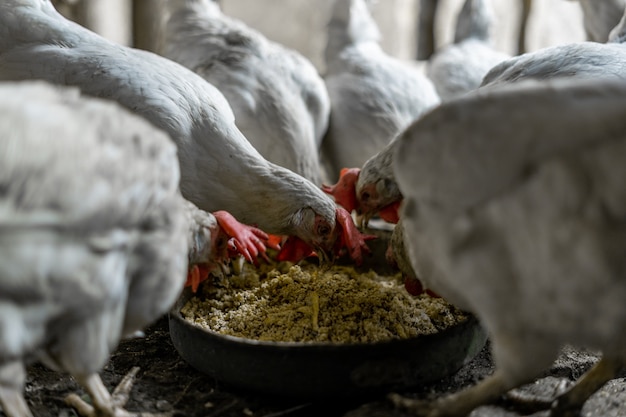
308, 304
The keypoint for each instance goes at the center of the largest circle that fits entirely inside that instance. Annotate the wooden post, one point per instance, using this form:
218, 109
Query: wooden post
147, 24
521, 38
109, 18
426, 29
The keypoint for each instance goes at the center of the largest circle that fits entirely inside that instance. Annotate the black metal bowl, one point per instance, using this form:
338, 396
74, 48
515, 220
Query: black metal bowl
324, 370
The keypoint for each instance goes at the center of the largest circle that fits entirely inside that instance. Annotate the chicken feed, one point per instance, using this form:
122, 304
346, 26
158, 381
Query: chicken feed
306, 303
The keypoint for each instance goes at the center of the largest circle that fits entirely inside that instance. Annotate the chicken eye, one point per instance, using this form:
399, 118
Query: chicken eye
222, 243
323, 230
365, 196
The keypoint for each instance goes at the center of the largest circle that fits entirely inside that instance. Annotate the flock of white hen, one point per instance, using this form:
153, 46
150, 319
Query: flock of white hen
124, 171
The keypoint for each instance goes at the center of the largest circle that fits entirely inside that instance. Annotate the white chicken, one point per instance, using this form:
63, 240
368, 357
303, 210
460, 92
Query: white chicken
578, 59
460, 67
427, 17
600, 17
515, 209
279, 100
373, 95
220, 169
95, 237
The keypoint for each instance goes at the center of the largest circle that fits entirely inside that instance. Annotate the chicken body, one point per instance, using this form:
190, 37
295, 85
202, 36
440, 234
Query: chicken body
95, 237
373, 95
220, 169
279, 100
579, 59
461, 66
516, 212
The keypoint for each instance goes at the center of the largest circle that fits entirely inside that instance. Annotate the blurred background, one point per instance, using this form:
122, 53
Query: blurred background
300, 24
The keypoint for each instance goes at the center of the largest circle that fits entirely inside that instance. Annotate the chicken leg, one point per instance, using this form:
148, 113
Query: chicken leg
12, 403
458, 404
573, 399
565, 405
104, 403
570, 402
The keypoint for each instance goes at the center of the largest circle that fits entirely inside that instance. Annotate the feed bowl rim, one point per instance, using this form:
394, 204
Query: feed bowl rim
315, 370
176, 314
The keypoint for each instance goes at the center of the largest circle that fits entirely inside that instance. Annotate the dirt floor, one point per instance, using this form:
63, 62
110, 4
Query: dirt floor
168, 386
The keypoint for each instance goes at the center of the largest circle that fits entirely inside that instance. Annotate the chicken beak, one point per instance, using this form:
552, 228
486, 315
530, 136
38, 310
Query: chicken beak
225, 268
324, 256
236, 264
362, 220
